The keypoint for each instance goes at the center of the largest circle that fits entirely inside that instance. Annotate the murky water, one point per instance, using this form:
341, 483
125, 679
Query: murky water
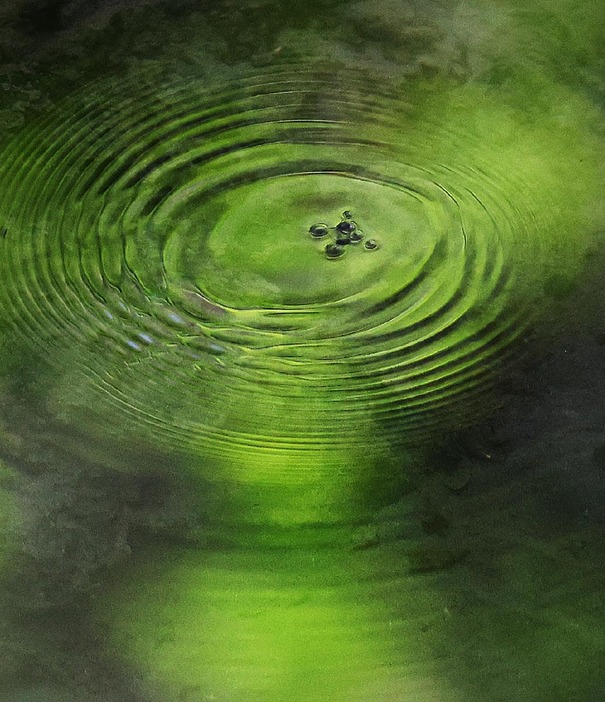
302, 342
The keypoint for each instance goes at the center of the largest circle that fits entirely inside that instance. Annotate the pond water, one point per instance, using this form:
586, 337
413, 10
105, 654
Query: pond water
303, 351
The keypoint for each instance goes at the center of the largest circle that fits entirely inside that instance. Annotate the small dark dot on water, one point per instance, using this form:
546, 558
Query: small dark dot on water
343, 239
318, 231
347, 214
334, 250
346, 227
3, 232
371, 244
356, 237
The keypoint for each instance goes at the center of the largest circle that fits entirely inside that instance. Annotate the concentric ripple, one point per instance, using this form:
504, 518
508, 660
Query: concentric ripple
156, 252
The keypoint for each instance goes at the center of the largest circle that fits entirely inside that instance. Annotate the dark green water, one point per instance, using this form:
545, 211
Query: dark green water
301, 328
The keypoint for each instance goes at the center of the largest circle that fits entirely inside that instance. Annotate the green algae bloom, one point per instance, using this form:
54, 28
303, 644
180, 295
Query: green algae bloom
292, 276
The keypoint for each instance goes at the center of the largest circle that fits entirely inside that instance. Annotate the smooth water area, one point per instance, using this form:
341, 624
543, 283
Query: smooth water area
302, 340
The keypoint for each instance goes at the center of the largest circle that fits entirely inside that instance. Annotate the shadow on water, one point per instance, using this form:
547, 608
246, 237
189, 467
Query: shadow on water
236, 470
524, 617
80, 506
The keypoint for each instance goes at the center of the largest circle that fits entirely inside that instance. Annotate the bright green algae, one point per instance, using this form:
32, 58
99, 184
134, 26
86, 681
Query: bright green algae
277, 623
157, 257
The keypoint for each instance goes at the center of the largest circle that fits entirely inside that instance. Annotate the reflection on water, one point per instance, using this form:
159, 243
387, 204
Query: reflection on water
248, 456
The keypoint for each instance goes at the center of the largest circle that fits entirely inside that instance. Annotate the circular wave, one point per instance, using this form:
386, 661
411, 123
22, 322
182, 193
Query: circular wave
157, 252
